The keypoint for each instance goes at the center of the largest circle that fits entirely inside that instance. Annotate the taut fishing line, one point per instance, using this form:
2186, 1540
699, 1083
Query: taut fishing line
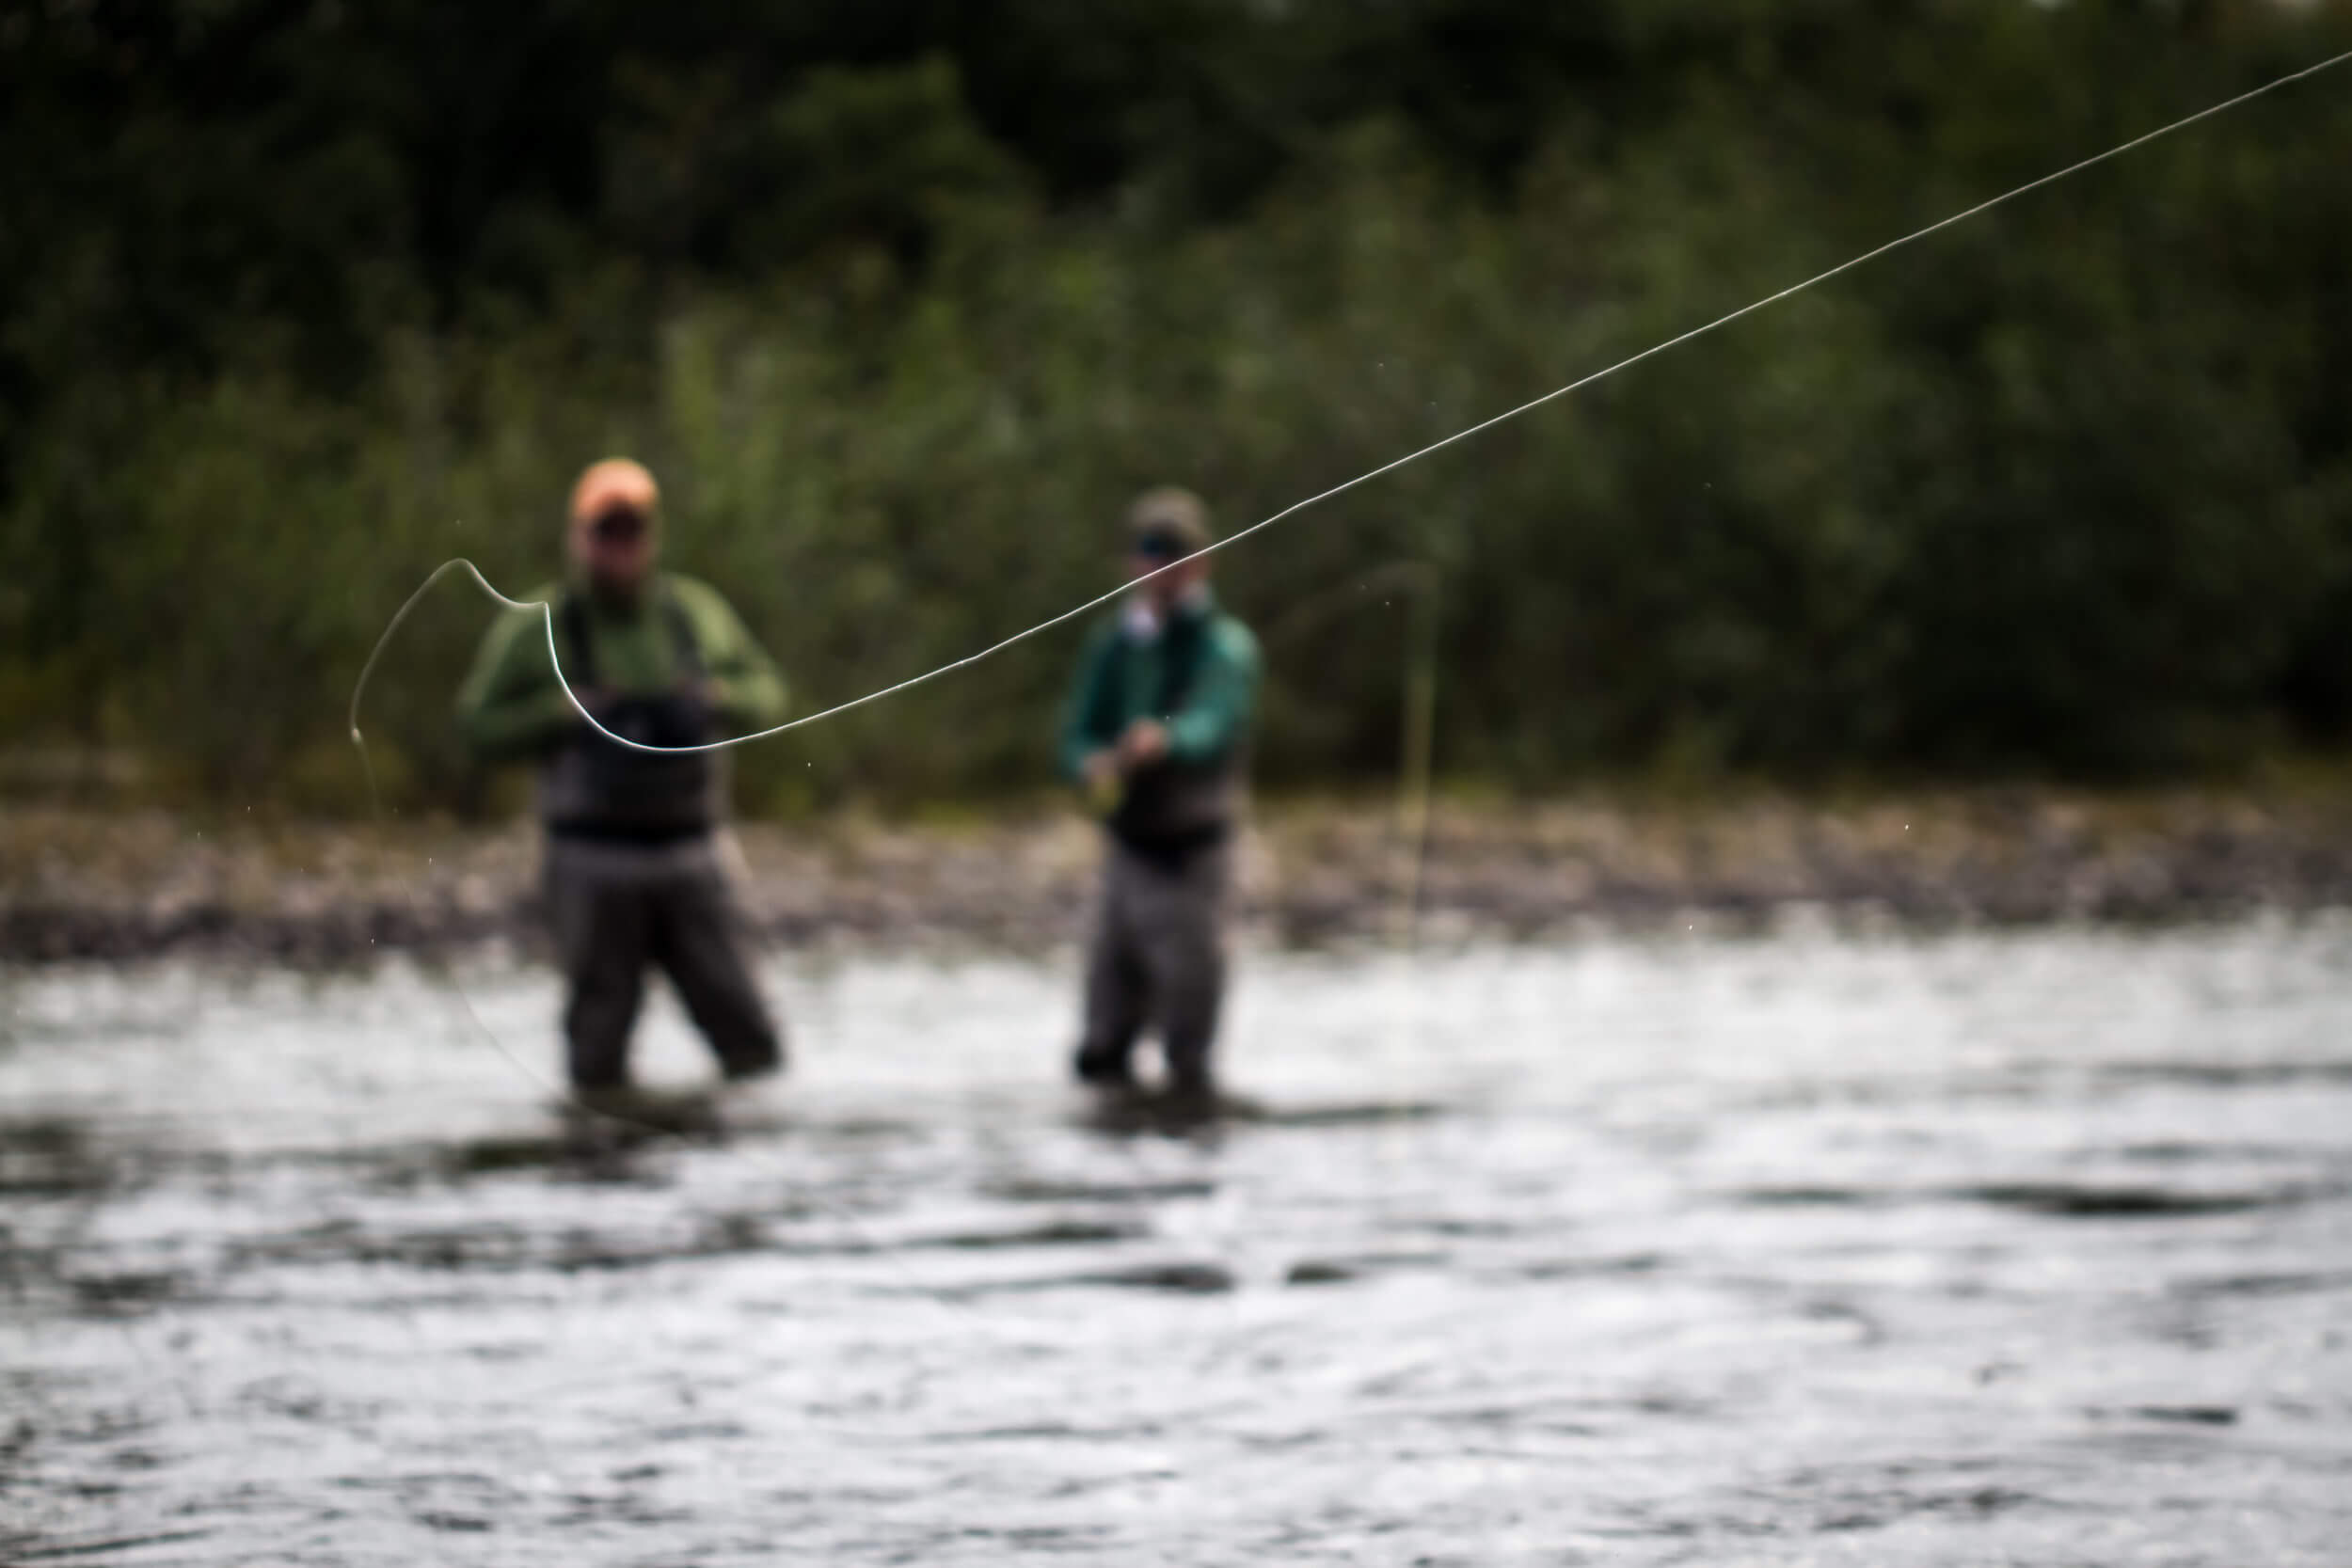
547, 611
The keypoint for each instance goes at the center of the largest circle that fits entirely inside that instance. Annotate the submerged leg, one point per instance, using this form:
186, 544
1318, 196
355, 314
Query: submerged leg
1115, 986
703, 942
1183, 918
602, 925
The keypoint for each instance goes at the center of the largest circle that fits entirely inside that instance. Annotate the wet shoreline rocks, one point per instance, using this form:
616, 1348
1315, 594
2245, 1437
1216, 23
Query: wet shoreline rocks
78, 885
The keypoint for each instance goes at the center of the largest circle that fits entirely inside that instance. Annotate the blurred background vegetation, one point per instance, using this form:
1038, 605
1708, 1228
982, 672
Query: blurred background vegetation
903, 298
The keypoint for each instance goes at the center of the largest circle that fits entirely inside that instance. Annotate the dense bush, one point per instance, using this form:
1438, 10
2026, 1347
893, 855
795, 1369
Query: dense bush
903, 309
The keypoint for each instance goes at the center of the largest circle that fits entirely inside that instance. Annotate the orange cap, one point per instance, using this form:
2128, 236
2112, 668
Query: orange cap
616, 480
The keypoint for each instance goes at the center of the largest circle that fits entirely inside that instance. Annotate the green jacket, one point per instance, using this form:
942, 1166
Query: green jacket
1198, 675
511, 706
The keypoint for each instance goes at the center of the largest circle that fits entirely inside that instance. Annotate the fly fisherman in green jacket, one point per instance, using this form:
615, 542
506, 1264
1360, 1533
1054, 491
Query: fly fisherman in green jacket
637, 870
1156, 734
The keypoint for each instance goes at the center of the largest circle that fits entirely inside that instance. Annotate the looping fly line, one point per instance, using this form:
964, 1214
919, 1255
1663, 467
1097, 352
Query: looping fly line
548, 615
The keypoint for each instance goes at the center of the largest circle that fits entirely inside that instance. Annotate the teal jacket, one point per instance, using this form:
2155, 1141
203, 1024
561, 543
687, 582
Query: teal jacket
1198, 675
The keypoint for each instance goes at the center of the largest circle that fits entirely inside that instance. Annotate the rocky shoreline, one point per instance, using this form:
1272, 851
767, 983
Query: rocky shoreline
79, 885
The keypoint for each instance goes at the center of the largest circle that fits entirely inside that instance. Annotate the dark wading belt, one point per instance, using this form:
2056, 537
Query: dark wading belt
662, 720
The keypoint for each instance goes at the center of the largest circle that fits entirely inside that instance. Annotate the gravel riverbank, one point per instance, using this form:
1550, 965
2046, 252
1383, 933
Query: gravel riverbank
100, 885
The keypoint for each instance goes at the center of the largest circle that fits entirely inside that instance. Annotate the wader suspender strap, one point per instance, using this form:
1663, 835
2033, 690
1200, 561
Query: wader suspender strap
689, 654
1187, 641
577, 650
580, 649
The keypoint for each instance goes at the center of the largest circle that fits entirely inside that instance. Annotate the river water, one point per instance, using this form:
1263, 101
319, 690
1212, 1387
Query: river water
1792, 1248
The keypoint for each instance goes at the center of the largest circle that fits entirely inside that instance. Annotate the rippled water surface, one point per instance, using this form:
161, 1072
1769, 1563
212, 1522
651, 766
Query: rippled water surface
1795, 1249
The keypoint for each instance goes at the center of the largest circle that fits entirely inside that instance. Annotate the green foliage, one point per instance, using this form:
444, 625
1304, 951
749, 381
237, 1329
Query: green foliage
903, 308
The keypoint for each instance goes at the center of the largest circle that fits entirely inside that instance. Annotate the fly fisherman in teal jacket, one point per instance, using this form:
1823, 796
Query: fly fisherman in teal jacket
637, 866
1157, 733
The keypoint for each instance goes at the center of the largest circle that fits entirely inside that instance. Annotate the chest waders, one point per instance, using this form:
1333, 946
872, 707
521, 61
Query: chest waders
599, 790
1173, 810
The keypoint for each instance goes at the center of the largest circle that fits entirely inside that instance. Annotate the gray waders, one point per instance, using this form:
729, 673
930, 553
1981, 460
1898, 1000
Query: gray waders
1157, 960
617, 909
636, 876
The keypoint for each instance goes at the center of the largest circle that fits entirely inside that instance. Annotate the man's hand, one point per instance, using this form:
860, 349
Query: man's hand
1145, 743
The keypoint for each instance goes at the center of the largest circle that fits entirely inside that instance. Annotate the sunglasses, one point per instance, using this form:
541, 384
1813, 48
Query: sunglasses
1159, 547
618, 525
